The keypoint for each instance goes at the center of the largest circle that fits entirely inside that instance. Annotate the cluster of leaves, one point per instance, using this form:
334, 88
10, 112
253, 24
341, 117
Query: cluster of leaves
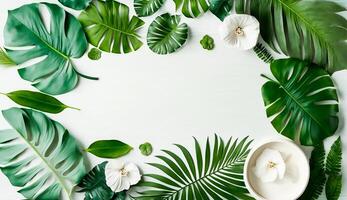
328, 174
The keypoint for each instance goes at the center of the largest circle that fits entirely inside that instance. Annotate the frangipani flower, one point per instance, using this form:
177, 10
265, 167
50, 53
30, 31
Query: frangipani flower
120, 176
240, 31
270, 166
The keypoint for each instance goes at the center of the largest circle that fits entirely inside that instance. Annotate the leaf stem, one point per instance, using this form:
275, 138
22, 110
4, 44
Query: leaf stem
86, 76
74, 108
270, 79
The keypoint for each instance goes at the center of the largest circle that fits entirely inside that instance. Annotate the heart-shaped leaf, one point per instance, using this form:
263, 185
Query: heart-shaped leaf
302, 101
39, 156
107, 27
145, 8
75, 4
166, 34
64, 39
109, 148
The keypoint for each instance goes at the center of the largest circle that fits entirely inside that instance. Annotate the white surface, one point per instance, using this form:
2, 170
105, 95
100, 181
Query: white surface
143, 97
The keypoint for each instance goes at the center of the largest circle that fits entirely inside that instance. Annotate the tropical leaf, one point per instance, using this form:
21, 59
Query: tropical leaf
5, 59
221, 8
305, 29
166, 34
94, 54
39, 156
333, 187
107, 26
75, 4
317, 174
145, 8
263, 53
38, 101
109, 148
192, 8
58, 44
94, 184
217, 174
302, 101
334, 158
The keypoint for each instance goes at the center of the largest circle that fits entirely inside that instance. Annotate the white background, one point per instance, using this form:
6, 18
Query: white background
143, 96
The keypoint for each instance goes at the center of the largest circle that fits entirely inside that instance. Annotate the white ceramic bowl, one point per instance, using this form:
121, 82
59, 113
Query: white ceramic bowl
297, 174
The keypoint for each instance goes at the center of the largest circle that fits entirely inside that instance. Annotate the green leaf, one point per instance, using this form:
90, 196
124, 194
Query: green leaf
38, 101
333, 187
146, 149
192, 8
119, 196
221, 179
39, 153
305, 29
107, 26
317, 174
165, 34
94, 184
5, 59
145, 8
55, 73
94, 54
207, 42
334, 159
302, 101
109, 148
263, 53
221, 8
75, 4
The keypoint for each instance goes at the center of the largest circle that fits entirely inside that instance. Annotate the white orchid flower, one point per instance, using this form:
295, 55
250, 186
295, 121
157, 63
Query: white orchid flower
240, 31
120, 176
270, 166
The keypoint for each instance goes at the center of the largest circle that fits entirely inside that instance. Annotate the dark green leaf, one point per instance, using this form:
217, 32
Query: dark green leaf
107, 26
94, 54
64, 40
302, 101
75, 4
221, 8
38, 101
207, 42
146, 149
192, 8
119, 196
263, 53
333, 187
145, 8
94, 184
5, 59
39, 153
334, 159
109, 148
305, 29
165, 34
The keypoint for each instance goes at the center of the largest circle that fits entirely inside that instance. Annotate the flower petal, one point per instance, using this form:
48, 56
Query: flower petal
134, 175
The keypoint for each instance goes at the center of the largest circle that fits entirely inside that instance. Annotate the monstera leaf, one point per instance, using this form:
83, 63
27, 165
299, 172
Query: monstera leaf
145, 8
305, 29
39, 156
57, 44
302, 101
107, 26
192, 8
75, 4
217, 174
165, 34
221, 8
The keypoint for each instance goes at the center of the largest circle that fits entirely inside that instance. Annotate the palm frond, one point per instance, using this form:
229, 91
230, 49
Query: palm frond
215, 174
334, 159
263, 53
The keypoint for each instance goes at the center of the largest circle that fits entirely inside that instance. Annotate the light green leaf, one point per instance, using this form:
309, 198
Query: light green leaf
183, 178
75, 4
221, 8
38, 101
5, 59
94, 184
107, 26
109, 148
305, 29
302, 101
94, 54
192, 8
165, 34
58, 44
146, 149
334, 159
39, 156
333, 187
145, 8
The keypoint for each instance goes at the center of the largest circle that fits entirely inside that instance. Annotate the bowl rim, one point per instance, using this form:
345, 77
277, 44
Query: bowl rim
261, 144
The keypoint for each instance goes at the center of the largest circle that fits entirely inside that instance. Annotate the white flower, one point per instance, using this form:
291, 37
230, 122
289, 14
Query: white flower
240, 30
120, 176
270, 166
